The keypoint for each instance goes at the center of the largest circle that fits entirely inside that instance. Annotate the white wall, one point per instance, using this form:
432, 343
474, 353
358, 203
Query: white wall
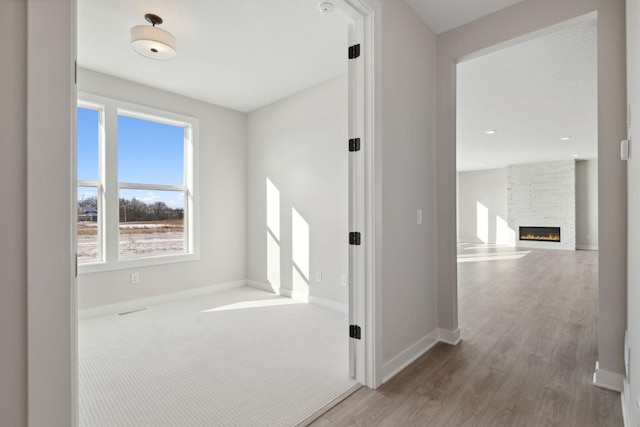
13, 220
632, 389
524, 20
488, 188
408, 253
543, 194
222, 186
587, 204
300, 145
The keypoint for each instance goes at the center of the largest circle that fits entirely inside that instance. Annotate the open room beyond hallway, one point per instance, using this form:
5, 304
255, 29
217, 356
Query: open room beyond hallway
529, 344
243, 357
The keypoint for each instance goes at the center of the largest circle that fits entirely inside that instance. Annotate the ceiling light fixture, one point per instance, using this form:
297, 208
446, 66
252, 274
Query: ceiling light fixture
491, 132
152, 42
565, 138
576, 155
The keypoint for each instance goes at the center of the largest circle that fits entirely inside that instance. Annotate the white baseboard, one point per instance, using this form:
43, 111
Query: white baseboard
586, 247
331, 305
263, 286
449, 337
322, 302
624, 400
409, 355
104, 310
607, 379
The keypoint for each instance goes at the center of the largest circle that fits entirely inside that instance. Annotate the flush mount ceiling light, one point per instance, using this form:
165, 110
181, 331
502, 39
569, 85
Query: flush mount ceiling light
565, 138
152, 42
491, 132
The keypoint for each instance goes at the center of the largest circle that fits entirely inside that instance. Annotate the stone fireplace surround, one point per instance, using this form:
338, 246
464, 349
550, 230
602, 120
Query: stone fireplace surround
543, 195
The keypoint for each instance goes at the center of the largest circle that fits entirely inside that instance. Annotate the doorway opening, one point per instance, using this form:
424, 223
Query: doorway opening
301, 269
527, 181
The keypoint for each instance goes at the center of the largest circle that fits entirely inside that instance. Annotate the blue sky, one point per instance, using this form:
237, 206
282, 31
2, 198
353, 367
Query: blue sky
148, 153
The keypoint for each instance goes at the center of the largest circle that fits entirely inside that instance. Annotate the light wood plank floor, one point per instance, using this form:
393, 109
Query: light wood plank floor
527, 357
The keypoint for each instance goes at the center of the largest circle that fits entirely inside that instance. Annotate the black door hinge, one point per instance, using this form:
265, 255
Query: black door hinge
354, 238
354, 51
355, 332
354, 144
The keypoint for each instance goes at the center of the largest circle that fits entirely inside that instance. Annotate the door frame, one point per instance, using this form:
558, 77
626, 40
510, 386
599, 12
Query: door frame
52, 286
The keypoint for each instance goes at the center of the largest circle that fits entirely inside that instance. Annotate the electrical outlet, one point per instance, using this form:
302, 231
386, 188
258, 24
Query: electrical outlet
135, 278
343, 280
318, 276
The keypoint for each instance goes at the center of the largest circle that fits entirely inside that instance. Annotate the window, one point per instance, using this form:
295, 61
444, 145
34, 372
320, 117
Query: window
89, 189
141, 210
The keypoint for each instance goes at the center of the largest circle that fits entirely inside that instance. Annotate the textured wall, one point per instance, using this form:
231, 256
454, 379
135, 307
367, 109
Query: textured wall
543, 195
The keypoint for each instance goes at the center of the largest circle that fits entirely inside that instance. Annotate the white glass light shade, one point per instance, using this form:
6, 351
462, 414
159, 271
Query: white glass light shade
152, 42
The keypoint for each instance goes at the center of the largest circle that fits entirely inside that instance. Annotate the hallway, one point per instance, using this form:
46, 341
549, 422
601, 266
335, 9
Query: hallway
527, 356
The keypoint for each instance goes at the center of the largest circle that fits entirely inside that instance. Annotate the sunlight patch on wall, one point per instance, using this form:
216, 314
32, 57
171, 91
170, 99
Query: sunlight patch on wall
300, 242
504, 235
273, 262
273, 236
273, 209
300, 256
482, 222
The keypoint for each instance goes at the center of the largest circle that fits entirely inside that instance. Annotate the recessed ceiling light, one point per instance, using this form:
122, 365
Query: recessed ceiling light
491, 132
576, 155
565, 138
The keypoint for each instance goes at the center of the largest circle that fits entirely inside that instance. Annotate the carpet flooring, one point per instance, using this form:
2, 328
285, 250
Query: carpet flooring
242, 357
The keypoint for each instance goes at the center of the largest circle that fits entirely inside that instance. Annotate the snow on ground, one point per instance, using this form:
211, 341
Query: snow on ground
134, 244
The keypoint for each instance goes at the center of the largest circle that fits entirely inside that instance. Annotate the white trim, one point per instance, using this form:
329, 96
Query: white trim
408, 356
587, 247
263, 286
331, 305
624, 401
449, 337
607, 379
104, 310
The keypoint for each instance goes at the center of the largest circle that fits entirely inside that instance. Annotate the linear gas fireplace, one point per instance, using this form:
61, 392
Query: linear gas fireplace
543, 234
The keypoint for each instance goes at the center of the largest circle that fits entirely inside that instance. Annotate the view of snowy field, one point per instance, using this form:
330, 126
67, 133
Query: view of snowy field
136, 238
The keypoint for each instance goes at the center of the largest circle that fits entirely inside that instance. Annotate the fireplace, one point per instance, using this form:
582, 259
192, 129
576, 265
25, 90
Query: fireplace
541, 234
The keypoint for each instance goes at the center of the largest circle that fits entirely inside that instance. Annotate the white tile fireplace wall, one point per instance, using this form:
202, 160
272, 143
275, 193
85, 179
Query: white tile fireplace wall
543, 195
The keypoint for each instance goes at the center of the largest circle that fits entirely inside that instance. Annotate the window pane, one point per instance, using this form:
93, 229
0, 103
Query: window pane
88, 232
150, 152
151, 222
88, 144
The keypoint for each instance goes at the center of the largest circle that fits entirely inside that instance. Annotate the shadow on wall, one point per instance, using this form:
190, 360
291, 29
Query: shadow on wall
490, 229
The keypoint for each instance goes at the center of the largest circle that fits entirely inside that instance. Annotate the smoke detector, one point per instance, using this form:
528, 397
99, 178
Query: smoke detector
326, 7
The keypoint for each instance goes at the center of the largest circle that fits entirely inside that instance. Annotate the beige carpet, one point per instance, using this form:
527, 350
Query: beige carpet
242, 357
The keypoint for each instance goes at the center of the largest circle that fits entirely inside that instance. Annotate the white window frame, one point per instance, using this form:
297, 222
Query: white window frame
99, 184
111, 258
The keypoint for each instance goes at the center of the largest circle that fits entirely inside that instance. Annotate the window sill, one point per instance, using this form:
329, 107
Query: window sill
128, 263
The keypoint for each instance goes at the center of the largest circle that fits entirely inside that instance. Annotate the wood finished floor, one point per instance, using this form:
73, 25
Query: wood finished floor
527, 356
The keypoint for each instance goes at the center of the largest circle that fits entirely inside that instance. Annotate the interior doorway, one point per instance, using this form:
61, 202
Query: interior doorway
527, 152
301, 270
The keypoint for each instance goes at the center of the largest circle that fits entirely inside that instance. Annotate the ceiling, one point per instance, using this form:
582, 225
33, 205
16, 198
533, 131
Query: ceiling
443, 15
240, 54
532, 94
245, 54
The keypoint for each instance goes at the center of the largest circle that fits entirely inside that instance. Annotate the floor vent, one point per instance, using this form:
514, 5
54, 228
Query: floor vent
133, 311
